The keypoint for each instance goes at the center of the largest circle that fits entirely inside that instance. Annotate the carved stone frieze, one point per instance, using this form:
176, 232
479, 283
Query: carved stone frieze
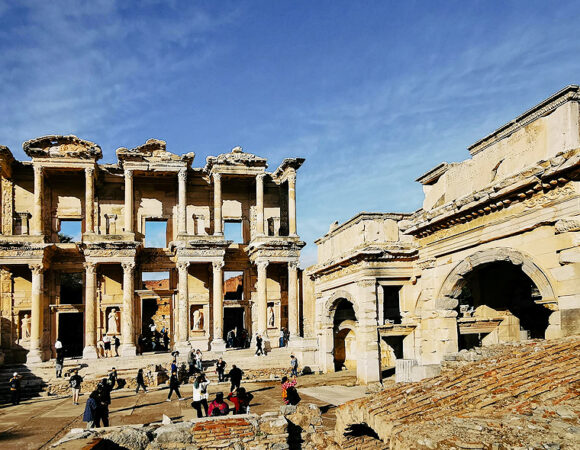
568, 224
548, 197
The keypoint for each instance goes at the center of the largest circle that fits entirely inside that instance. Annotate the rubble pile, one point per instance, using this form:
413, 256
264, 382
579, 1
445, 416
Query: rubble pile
524, 395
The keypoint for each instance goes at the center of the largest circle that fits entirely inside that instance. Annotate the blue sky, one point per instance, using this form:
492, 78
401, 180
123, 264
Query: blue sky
371, 93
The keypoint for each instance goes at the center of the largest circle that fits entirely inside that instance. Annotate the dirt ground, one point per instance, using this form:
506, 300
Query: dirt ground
40, 422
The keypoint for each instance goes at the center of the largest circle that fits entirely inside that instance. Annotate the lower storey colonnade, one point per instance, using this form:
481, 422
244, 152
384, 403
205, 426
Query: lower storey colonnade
199, 304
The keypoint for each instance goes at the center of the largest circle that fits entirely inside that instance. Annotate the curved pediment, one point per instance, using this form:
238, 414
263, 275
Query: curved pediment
55, 146
154, 150
237, 157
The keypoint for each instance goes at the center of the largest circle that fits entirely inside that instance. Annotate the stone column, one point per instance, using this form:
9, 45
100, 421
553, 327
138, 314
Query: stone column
182, 194
90, 350
127, 323
262, 299
292, 204
89, 200
36, 313
293, 299
367, 339
128, 201
260, 204
37, 227
217, 205
7, 206
218, 343
182, 305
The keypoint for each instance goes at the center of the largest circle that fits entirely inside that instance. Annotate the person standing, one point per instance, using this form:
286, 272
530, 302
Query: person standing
103, 401
100, 348
199, 360
59, 363
191, 362
235, 376
91, 410
220, 368
107, 343
165, 340
58, 347
75, 384
259, 350
112, 380
200, 395
241, 400
293, 366
281, 337
140, 381
14, 385
117, 344
174, 386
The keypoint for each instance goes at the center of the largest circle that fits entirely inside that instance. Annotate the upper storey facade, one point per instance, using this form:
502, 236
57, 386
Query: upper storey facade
115, 202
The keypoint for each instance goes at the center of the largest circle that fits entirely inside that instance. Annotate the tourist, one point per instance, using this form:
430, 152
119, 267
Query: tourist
75, 384
235, 376
199, 360
90, 415
117, 344
165, 339
59, 364
191, 362
230, 339
259, 350
241, 400
286, 336
140, 381
282, 334
293, 366
286, 384
200, 395
100, 348
174, 386
58, 348
14, 385
220, 368
218, 407
140, 344
103, 401
107, 342
112, 380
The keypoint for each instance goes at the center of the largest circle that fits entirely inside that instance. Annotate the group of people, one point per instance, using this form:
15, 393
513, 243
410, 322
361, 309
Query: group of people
238, 338
97, 406
108, 346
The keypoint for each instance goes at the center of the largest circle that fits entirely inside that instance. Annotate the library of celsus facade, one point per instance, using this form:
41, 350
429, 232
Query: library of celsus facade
150, 212
492, 256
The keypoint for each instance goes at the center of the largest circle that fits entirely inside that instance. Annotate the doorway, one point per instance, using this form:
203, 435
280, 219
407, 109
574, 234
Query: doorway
70, 333
233, 320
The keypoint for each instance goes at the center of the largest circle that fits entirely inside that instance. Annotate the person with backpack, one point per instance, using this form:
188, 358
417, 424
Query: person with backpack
140, 381
241, 400
174, 386
235, 376
200, 395
218, 407
75, 384
14, 385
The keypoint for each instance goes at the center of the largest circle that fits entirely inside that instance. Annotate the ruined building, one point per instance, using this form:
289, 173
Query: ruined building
151, 211
492, 256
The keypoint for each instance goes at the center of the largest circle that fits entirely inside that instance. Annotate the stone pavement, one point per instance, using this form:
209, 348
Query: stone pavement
40, 422
334, 395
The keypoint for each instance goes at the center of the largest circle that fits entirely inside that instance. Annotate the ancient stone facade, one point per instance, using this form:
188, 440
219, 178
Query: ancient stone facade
492, 256
88, 286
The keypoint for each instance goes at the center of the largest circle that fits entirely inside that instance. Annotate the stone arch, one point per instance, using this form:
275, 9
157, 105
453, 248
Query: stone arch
454, 282
332, 303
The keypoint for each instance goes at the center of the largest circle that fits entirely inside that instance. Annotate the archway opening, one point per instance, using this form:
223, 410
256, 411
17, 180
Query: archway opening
498, 303
344, 336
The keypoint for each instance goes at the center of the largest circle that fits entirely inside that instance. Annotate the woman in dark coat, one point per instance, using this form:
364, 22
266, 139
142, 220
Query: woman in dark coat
91, 410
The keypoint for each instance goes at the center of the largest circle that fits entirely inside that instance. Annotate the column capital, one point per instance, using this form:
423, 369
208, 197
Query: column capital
183, 265
90, 267
89, 171
293, 265
217, 177
38, 170
260, 177
182, 174
128, 266
218, 265
291, 177
36, 269
262, 264
128, 173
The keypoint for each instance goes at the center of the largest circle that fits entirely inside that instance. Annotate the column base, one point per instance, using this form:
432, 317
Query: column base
34, 357
90, 352
218, 345
128, 350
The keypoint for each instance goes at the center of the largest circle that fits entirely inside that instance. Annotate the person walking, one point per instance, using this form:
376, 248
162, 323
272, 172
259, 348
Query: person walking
235, 376
58, 347
112, 380
220, 368
200, 395
107, 344
191, 362
75, 384
59, 364
199, 360
218, 407
165, 340
140, 381
293, 366
174, 386
90, 415
259, 350
14, 385
241, 400
103, 401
